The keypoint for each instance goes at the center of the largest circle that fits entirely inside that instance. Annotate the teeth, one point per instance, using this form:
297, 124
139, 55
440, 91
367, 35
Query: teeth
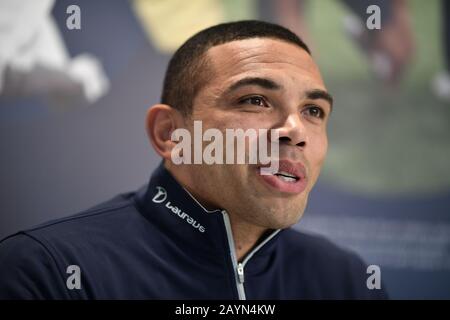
287, 179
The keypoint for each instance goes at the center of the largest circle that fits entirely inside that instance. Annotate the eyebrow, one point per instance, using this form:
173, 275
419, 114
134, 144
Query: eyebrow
320, 94
255, 81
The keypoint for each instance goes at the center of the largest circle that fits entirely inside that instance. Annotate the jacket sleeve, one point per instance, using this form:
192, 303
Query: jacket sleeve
29, 271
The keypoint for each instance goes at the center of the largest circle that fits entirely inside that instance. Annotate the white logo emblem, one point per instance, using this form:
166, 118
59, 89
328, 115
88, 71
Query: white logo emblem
160, 196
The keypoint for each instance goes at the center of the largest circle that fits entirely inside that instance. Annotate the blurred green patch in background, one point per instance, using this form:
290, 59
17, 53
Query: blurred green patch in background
383, 140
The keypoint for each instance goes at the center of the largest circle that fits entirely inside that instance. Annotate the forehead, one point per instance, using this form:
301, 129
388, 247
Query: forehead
263, 57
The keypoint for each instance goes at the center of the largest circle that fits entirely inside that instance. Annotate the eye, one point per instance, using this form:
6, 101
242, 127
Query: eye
254, 100
315, 111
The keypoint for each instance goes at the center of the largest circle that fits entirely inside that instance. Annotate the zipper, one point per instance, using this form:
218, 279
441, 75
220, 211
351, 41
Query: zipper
238, 267
237, 274
240, 273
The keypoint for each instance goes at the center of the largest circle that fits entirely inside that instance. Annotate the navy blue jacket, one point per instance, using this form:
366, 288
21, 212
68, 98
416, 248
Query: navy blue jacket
159, 242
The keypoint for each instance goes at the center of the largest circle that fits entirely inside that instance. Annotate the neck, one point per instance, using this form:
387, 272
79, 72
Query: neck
245, 236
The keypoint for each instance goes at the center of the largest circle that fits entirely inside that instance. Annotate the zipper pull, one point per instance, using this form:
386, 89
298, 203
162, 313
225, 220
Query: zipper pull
240, 272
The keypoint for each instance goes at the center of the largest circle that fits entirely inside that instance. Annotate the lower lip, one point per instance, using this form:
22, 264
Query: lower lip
283, 186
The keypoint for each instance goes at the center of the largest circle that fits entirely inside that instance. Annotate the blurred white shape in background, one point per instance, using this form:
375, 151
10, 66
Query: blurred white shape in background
34, 59
441, 85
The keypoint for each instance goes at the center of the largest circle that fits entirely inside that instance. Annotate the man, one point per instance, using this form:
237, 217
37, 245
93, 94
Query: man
206, 231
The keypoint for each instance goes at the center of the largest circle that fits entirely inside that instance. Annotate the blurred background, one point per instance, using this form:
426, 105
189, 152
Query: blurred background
73, 97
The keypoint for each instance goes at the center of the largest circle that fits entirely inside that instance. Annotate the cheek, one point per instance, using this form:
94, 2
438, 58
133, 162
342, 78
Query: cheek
317, 153
322, 152
318, 145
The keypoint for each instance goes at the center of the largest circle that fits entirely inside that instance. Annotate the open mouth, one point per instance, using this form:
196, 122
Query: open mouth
289, 178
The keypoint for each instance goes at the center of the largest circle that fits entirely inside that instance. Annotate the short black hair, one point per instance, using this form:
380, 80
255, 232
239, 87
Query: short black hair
185, 73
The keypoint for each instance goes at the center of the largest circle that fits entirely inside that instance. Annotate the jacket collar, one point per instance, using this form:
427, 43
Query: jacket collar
178, 214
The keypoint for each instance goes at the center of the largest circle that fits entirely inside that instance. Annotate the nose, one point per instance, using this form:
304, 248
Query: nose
292, 132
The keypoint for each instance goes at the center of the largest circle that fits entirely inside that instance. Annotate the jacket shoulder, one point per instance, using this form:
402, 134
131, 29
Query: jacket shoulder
28, 270
316, 245
43, 253
100, 219
341, 271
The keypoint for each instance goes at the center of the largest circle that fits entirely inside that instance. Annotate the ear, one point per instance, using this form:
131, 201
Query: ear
161, 121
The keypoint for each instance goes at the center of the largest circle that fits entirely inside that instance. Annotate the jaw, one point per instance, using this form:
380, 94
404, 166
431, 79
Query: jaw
264, 207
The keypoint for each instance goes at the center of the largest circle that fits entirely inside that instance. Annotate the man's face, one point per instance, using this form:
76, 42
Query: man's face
282, 90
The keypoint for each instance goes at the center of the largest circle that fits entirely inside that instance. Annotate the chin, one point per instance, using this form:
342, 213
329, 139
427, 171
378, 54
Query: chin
281, 224
282, 217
